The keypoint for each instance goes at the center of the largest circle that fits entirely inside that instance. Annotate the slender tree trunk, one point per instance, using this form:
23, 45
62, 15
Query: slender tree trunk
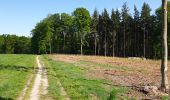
81, 45
64, 44
113, 48
144, 42
99, 45
50, 47
105, 51
124, 45
117, 47
135, 42
164, 67
95, 45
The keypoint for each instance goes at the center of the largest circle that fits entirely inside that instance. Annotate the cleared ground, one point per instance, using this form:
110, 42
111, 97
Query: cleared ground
15, 71
122, 75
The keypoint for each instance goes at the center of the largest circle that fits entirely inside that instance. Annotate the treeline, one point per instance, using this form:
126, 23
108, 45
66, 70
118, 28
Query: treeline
119, 34
12, 44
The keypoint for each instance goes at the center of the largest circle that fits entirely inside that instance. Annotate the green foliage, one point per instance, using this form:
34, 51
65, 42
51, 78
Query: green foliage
41, 37
158, 31
118, 34
82, 21
14, 44
94, 21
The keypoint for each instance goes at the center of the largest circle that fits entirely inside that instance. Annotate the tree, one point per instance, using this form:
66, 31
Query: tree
136, 32
82, 20
41, 38
164, 67
118, 35
125, 18
145, 17
94, 23
115, 18
2, 44
22, 45
66, 23
100, 28
9, 43
106, 30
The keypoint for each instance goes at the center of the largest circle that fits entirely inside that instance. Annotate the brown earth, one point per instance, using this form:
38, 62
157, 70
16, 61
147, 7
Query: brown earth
128, 72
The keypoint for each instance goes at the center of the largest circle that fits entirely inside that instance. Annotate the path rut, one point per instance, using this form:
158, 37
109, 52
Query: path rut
40, 83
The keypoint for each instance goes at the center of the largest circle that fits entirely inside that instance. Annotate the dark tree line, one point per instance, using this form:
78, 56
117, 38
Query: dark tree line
10, 44
118, 34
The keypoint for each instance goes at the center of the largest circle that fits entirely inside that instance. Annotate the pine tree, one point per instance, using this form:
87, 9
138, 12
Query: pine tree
115, 18
106, 29
145, 17
136, 32
94, 23
125, 18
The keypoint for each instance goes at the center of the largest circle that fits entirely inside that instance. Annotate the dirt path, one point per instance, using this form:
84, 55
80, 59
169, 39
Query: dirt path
40, 83
23, 93
63, 92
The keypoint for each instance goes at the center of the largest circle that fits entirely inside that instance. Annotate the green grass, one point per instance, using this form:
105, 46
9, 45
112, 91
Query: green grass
165, 98
14, 73
75, 83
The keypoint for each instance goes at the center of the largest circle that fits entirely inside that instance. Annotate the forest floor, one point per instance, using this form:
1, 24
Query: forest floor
132, 73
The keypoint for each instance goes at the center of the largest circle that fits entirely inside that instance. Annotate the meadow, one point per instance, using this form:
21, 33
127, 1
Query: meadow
15, 70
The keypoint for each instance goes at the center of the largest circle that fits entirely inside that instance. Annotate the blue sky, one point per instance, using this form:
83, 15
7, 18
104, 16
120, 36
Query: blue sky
20, 16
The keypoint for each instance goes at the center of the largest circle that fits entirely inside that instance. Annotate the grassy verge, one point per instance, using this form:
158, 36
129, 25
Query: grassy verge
78, 87
15, 70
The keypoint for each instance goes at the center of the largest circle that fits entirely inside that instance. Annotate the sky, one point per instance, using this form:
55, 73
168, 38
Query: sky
20, 16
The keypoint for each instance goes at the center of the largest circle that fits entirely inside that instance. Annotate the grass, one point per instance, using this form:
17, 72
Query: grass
75, 83
14, 73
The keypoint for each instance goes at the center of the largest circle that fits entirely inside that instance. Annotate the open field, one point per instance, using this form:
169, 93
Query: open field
69, 80
73, 77
90, 77
15, 70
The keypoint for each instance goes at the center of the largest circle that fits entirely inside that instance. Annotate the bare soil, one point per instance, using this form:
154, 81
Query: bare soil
40, 84
131, 73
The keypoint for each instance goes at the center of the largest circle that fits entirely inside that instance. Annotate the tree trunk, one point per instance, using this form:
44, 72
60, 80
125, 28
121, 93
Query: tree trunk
105, 50
144, 42
95, 44
81, 45
64, 45
50, 47
164, 67
113, 48
124, 45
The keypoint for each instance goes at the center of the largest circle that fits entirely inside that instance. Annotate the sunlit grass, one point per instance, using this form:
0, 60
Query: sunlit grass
15, 70
75, 83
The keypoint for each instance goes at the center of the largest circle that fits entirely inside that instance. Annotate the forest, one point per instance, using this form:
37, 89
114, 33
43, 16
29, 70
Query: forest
118, 33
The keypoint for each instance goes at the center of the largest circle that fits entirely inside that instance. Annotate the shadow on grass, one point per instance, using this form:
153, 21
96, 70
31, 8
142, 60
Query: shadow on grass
1, 98
16, 68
